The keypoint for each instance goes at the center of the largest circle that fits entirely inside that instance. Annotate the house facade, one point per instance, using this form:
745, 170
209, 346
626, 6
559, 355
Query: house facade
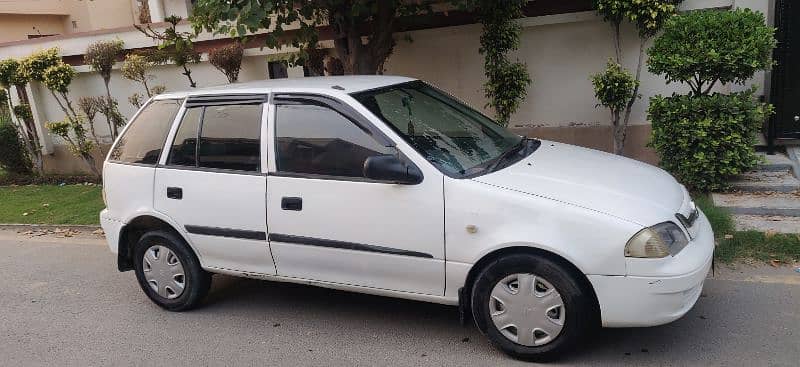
563, 43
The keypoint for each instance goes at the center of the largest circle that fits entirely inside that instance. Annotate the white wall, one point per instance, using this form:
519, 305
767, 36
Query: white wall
561, 52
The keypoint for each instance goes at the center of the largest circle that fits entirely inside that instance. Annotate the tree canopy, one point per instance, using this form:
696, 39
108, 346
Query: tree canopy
361, 29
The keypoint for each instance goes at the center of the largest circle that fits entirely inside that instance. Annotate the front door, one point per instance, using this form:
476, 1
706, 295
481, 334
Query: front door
329, 223
212, 184
786, 81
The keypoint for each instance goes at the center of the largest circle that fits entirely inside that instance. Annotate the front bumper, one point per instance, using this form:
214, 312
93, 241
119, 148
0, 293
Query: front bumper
647, 299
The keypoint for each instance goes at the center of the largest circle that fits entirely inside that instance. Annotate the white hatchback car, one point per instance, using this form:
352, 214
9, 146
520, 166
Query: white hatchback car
388, 186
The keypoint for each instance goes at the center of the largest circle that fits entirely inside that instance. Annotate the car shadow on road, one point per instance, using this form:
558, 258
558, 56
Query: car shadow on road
352, 312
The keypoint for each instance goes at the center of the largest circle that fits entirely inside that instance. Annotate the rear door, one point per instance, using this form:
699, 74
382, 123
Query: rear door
211, 182
328, 222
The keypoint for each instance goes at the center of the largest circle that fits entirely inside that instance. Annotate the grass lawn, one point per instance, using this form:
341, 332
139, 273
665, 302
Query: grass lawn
735, 245
49, 204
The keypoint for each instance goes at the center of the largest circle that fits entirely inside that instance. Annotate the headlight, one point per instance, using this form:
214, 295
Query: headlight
658, 241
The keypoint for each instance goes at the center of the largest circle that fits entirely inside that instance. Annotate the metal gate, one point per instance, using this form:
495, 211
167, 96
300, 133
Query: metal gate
785, 81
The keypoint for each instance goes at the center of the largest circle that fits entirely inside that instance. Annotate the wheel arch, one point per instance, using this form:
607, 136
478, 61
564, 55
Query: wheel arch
465, 293
133, 230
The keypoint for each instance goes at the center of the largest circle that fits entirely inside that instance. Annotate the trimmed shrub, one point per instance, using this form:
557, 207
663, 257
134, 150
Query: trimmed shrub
706, 47
615, 88
13, 156
23, 112
708, 139
10, 74
228, 60
58, 77
34, 66
102, 55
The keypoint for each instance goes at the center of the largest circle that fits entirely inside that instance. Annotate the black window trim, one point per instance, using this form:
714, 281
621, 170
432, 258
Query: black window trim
130, 123
224, 100
349, 113
211, 170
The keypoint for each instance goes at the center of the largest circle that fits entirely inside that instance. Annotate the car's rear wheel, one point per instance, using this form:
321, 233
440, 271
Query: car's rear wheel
169, 272
531, 307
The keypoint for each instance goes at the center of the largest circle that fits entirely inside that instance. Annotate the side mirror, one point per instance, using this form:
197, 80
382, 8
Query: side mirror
391, 169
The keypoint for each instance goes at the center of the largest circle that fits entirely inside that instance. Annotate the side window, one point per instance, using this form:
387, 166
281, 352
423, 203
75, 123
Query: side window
184, 146
225, 137
318, 140
144, 139
230, 137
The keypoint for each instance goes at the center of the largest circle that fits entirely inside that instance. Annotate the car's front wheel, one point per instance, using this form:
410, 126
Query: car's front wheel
169, 272
531, 307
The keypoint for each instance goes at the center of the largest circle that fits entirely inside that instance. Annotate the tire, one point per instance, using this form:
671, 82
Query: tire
577, 313
162, 249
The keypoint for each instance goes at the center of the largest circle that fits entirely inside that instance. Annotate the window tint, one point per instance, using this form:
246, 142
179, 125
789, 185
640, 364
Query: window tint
144, 139
318, 140
229, 137
184, 146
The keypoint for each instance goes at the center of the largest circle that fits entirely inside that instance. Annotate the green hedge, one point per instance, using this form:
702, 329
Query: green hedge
706, 140
13, 157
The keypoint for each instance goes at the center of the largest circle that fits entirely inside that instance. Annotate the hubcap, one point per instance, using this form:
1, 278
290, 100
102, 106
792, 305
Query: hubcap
164, 272
527, 309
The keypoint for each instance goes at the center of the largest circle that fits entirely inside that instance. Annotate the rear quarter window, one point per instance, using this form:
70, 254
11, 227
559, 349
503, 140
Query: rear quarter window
143, 141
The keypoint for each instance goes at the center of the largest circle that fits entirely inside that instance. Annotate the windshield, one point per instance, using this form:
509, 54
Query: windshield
458, 140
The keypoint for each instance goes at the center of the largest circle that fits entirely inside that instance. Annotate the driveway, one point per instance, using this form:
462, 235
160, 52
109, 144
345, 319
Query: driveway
62, 302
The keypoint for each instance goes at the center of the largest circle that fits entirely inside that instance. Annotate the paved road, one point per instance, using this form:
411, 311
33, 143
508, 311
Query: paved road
62, 302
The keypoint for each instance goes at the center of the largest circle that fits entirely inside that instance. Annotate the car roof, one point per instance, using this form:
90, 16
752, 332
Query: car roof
345, 84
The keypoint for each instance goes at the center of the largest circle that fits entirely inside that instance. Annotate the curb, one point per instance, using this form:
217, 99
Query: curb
760, 211
33, 227
746, 187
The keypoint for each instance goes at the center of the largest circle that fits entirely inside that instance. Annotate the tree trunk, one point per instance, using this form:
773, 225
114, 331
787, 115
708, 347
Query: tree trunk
32, 139
112, 125
629, 106
617, 42
619, 131
188, 73
89, 160
146, 88
356, 56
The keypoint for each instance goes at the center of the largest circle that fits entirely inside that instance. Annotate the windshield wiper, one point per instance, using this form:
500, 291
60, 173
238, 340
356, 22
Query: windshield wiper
523, 143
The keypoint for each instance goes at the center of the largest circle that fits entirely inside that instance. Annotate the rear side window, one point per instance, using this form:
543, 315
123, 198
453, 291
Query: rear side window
144, 139
223, 137
184, 146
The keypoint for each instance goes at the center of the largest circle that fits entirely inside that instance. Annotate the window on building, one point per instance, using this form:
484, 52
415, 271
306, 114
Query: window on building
318, 140
278, 69
223, 137
143, 140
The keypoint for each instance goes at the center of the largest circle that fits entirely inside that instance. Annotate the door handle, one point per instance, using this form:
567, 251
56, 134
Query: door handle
174, 193
295, 204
